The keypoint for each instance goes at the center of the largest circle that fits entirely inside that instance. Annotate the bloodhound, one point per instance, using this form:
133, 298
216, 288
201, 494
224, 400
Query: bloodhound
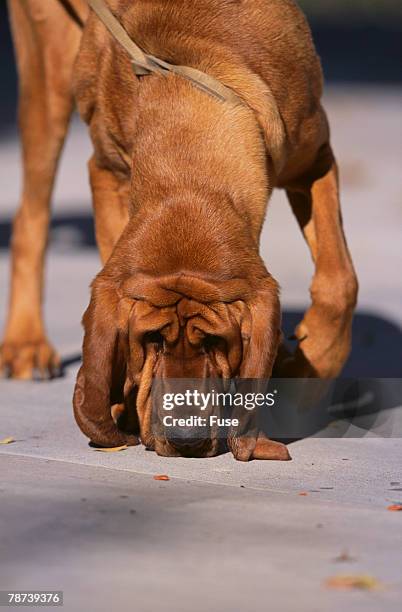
180, 182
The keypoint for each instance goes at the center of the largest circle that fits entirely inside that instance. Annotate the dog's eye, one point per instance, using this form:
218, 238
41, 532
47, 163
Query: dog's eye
154, 337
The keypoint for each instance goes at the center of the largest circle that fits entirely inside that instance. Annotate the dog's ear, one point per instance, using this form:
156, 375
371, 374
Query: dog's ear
261, 331
101, 378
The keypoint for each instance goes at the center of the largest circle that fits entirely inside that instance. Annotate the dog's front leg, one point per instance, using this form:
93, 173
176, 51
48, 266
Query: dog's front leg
246, 439
324, 334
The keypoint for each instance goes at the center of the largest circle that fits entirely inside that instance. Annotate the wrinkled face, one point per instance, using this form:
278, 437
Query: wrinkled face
166, 334
187, 340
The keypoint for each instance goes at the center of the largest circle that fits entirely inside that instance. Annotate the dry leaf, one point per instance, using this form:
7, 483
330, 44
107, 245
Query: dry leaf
116, 449
395, 508
362, 582
344, 557
7, 441
161, 477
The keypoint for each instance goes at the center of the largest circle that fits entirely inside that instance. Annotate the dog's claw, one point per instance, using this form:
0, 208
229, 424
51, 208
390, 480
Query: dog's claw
21, 360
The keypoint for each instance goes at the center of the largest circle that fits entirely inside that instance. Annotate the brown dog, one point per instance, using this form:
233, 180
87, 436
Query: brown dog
180, 185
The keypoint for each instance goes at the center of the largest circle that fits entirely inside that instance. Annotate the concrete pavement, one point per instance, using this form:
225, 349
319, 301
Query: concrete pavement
112, 538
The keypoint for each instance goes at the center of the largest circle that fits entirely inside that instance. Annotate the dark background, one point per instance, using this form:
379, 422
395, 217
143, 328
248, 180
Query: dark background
357, 41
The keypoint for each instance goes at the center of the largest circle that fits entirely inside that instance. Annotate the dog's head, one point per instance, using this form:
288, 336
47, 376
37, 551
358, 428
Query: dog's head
182, 326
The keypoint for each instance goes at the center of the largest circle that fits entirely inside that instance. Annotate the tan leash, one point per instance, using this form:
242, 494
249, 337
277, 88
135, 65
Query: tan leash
144, 63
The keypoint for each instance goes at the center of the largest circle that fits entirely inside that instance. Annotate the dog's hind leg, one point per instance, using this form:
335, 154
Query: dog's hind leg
46, 41
324, 335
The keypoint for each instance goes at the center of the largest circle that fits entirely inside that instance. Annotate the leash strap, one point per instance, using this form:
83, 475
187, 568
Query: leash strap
144, 64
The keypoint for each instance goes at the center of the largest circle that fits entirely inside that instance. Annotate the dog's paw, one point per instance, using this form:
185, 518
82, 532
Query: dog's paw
268, 450
242, 447
247, 448
26, 360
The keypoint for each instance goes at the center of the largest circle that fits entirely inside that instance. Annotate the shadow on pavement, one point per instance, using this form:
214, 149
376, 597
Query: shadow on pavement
370, 384
376, 350
67, 232
70, 360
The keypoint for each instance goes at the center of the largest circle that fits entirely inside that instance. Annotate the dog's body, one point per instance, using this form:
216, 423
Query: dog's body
187, 178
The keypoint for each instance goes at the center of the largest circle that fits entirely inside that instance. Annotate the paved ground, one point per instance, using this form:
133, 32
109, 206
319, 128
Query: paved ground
219, 535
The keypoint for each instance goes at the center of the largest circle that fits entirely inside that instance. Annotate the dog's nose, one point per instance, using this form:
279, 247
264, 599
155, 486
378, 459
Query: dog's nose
186, 437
